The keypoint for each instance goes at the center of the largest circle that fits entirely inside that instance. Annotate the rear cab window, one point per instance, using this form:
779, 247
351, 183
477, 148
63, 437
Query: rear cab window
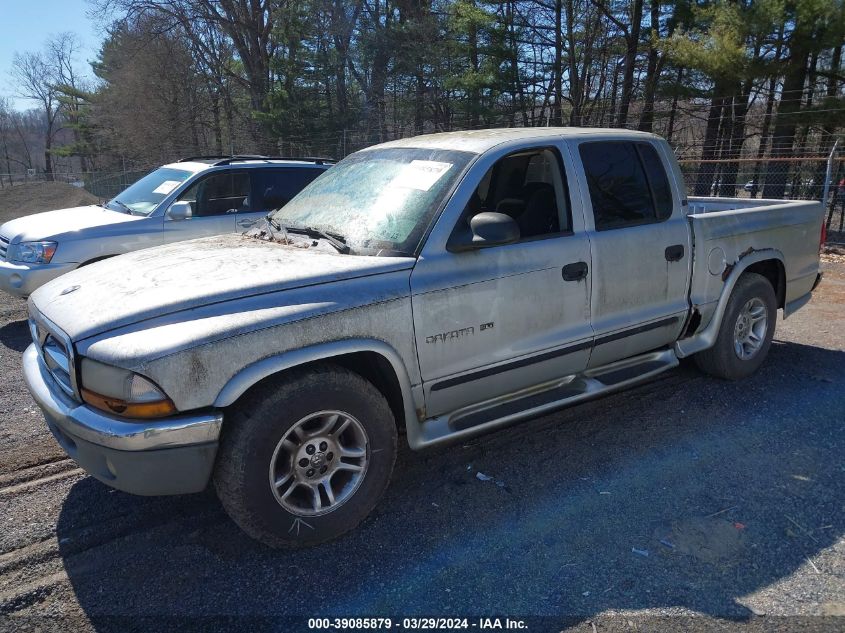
627, 183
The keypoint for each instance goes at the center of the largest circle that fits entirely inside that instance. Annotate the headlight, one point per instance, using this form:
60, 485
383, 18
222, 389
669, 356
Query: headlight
31, 252
121, 391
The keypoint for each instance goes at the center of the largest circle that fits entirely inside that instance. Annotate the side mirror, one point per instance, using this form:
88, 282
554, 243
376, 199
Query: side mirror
487, 229
180, 210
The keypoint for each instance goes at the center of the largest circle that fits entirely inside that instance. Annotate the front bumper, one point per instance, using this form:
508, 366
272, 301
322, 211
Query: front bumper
168, 456
22, 280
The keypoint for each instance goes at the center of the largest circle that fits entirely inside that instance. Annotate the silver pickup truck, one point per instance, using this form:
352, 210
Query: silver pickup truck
444, 285
195, 197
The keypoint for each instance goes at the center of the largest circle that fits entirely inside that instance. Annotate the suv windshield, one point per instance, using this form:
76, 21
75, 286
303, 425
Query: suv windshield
145, 195
380, 201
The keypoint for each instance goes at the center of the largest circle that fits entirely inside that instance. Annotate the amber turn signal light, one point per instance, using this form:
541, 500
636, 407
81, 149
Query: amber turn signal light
156, 409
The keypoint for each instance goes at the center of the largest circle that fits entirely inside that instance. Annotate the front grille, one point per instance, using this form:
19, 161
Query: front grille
55, 350
4, 246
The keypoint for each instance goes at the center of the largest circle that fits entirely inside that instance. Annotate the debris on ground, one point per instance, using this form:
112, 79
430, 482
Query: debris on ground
710, 539
640, 552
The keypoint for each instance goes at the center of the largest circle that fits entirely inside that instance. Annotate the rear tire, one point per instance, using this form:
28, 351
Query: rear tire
305, 459
746, 332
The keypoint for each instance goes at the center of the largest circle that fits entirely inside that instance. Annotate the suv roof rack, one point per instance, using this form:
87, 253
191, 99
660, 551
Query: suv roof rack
228, 160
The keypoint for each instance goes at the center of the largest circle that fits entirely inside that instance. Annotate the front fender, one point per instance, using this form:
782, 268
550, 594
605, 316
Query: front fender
252, 374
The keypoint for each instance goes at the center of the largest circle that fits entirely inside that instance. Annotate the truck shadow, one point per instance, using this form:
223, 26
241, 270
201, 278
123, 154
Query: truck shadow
15, 335
684, 492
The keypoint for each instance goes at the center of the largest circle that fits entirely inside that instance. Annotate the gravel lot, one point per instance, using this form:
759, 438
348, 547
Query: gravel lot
709, 502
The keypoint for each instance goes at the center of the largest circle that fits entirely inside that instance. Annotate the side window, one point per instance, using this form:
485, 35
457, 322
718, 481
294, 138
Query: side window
274, 188
627, 182
219, 194
529, 187
657, 179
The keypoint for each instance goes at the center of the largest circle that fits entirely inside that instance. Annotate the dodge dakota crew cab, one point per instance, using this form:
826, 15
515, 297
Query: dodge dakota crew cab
445, 285
194, 197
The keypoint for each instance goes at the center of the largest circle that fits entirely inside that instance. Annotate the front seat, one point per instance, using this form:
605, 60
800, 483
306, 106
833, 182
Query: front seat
541, 215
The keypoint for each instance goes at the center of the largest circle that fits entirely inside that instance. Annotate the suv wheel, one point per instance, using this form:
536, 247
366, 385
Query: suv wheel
307, 459
746, 331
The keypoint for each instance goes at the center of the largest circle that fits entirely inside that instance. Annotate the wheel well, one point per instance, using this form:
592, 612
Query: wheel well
371, 366
95, 260
772, 269
377, 369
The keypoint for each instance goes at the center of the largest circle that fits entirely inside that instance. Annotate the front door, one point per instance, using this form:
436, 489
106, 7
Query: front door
493, 321
215, 201
641, 250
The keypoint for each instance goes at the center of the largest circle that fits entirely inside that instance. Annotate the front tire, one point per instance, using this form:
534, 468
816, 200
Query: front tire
305, 459
746, 332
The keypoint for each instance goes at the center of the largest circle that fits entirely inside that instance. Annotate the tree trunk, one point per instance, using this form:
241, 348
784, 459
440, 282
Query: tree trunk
557, 116
670, 127
633, 41
474, 93
652, 73
735, 141
575, 91
707, 170
786, 122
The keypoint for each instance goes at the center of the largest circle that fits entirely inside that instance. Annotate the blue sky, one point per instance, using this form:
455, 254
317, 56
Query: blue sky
26, 24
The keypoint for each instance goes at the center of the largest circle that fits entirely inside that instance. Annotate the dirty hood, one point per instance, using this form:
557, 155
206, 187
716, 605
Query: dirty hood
167, 279
61, 223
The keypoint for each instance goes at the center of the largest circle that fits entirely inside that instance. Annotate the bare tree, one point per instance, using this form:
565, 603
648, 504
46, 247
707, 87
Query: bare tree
36, 80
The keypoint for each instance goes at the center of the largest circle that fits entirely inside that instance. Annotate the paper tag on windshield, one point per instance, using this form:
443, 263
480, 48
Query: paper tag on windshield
420, 174
167, 186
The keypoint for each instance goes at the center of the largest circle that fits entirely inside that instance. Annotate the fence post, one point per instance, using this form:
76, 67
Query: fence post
829, 173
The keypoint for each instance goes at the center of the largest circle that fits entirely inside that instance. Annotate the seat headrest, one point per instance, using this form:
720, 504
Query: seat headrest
511, 206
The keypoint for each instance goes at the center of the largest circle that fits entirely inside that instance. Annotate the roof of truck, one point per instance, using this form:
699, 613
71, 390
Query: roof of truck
479, 141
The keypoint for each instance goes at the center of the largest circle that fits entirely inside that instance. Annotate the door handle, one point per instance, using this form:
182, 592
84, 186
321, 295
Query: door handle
575, 272
674, 253
245, 224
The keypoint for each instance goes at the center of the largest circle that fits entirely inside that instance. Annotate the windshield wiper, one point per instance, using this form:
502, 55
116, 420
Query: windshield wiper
338, 241
121, 205
272, 222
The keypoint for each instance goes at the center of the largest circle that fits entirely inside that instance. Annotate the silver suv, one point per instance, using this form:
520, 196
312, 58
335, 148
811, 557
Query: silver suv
194, 197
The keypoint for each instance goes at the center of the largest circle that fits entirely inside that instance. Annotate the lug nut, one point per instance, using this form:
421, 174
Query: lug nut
303, 462
310, 449
323, 470
309, 472
330, 456
323, 446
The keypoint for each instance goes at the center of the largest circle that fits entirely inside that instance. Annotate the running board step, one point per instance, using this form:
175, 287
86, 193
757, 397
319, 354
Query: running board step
545, 398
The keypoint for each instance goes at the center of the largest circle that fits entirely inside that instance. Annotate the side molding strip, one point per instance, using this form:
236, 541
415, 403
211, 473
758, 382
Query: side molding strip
525, 362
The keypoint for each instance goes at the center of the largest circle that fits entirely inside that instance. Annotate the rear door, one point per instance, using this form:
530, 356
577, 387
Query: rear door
273, 189
640, 244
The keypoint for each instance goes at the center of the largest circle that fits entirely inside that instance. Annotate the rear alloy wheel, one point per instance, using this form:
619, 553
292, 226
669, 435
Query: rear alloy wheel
306, 457
751, 328
746, 332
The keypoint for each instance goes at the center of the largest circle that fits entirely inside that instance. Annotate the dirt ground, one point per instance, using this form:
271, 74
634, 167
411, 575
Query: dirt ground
33, 197
687, 503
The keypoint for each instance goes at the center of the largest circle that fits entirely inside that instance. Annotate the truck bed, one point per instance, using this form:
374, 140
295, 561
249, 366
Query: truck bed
724, 230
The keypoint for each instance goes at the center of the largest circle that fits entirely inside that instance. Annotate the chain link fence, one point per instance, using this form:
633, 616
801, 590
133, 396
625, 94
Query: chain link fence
102, 184
805, 178
811, 177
